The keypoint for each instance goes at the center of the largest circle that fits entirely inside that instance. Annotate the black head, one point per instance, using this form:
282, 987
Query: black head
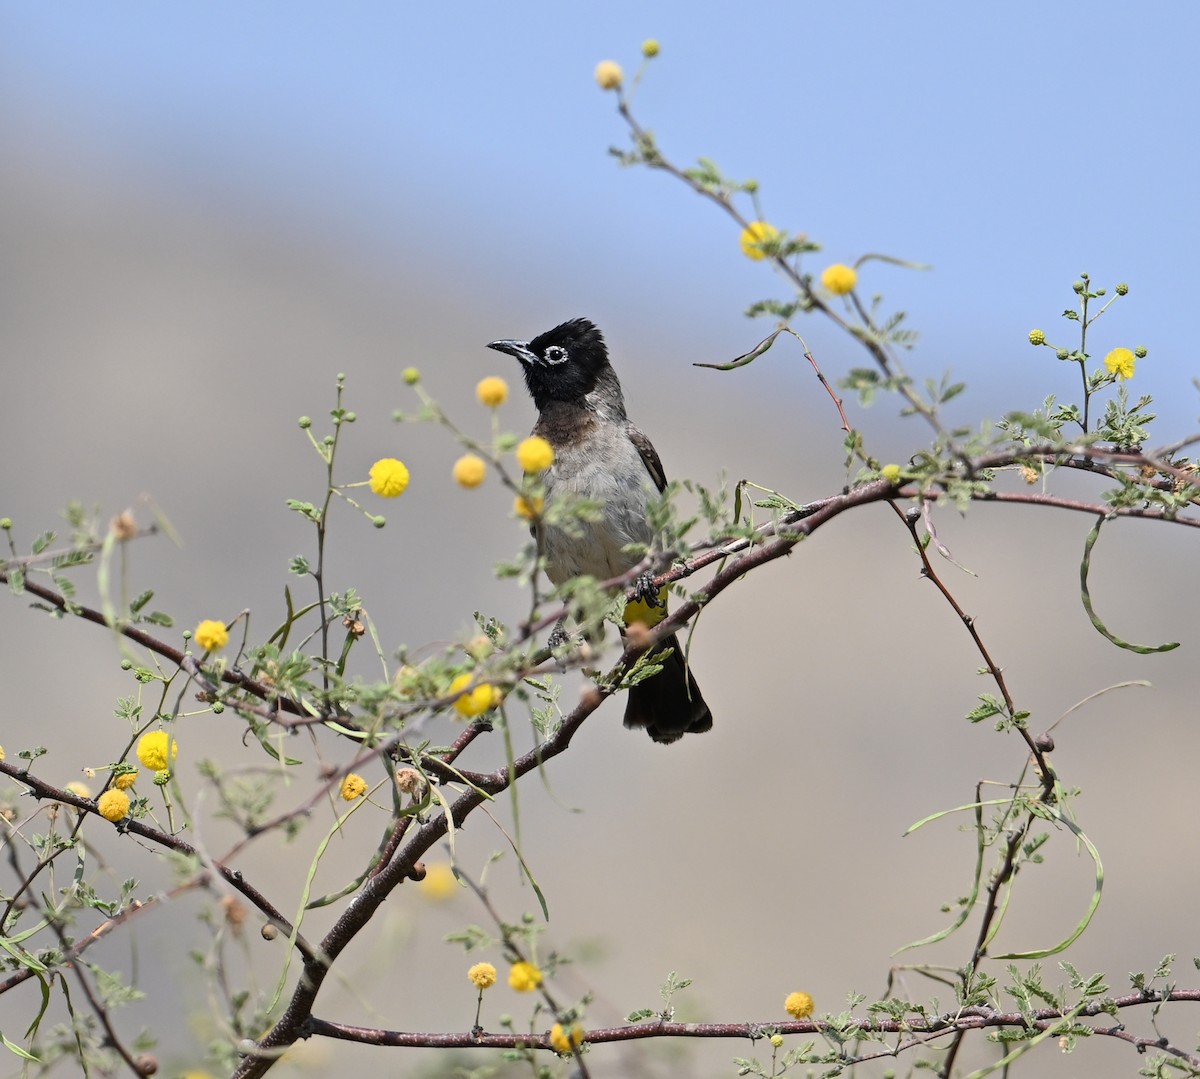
562, 364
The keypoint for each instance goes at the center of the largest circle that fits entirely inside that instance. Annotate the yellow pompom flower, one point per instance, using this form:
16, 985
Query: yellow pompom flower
475, 702
650, 48
528, 506
211, 635
389, 477
469, 470
353, 786
492, 391
125, 780
535, 454
562, 1042
609, 74
776, 1041
891, 473
839, 278
482, 975
1120, 362
754, 236
524, 977
156, 749
113, 805
438, 882
1037, 337
798, 1005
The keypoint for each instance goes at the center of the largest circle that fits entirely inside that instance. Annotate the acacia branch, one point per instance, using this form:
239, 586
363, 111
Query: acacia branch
975, 1017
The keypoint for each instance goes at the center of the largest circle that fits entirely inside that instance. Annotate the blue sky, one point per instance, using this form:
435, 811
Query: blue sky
1010, 146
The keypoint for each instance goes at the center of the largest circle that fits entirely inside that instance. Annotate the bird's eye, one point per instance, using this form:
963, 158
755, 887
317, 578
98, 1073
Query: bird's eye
556, 354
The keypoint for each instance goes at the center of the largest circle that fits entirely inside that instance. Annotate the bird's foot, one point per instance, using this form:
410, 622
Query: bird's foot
645, 590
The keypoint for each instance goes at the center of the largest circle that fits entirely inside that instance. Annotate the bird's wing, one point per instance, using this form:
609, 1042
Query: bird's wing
649, 457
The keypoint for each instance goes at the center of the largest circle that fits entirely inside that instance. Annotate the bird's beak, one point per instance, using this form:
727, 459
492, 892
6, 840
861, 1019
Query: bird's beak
520, 349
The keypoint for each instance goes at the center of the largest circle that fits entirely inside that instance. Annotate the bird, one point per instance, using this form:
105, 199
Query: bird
601, 457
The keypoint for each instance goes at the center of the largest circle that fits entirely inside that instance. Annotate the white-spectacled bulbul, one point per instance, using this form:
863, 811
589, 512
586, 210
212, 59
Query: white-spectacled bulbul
601, 457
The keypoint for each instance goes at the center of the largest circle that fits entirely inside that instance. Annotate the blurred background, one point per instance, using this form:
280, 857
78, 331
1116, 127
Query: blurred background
209, 210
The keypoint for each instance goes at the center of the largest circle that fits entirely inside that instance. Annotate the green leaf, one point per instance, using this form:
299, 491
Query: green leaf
16, 1050
1086, 596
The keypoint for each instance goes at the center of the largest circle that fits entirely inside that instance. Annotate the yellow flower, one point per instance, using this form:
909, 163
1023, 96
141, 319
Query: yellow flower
839, 279
353, 786
798, 1005
1, 753
524, 977
476, 701
153, 748
754, 236
469, 470
562, 1042
80, 790
492, 391
439, 882
609, 74
482, 975
125, 780
411, 376
113, 805
650, 48
776, 1041
389, 477
528, 506
1120, 362
535, 454
891, 473
211, 635
1037, 337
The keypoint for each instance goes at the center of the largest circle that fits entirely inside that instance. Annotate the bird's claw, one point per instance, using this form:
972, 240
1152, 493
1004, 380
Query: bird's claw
644, 590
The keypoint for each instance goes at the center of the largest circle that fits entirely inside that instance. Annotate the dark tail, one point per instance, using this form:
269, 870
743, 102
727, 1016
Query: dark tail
668, 705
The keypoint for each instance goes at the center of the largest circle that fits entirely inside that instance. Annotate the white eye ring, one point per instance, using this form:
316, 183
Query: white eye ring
556, 354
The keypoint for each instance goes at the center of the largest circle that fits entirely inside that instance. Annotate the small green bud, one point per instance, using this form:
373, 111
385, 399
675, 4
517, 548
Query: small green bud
378, 522
351, 417
187, 634
1063, 354
327, 440
126, 665
305, 422
1122, 289
750, 186
411, 376
1101, 291
1079, 286
1037, 337
1140, 352
218, 707
6, 523
650, 48
161, 779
